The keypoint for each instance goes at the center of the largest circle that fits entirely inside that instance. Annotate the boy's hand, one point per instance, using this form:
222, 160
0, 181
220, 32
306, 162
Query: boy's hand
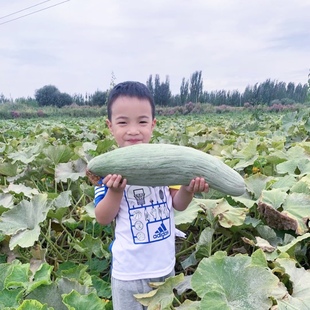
115, 182
197, 185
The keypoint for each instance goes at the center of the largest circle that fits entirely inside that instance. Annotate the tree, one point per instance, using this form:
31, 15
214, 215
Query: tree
196, 86
47, 95
149, 84
184, 91
162, 93
3, 99
308, 88
300, 94
290, 90
63, 100
78, 99
99, 98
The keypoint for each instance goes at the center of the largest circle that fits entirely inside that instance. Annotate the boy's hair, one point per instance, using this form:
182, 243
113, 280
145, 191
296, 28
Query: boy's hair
130, 89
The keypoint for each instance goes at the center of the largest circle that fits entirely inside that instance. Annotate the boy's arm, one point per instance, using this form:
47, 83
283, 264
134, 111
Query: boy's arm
107, 209
181, 198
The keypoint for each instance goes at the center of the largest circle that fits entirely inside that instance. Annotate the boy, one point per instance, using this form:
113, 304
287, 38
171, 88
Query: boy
144, 246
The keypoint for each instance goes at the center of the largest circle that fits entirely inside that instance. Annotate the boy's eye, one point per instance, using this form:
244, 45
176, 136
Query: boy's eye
121, 123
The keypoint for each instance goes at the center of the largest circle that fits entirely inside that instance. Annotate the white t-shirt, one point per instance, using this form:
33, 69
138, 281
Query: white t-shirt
144, 245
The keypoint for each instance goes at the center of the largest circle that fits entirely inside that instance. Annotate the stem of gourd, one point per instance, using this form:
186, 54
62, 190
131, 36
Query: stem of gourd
182, 252
48, 240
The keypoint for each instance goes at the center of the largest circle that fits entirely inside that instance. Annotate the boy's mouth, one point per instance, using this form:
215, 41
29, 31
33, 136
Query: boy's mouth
134, 141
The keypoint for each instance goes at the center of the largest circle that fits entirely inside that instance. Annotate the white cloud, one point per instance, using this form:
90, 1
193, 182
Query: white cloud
78, 44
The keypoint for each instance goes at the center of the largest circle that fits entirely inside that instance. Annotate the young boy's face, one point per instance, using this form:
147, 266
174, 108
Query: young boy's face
131, 121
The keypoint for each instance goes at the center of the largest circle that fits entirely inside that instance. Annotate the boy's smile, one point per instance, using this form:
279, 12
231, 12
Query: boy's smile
131, 121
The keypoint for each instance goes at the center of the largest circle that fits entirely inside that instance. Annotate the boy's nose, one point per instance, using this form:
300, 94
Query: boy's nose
133, 131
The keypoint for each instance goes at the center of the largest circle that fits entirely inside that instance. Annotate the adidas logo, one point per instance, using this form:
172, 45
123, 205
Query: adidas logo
161, 231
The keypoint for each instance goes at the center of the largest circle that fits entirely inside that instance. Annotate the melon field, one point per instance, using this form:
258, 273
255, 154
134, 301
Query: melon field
250, 252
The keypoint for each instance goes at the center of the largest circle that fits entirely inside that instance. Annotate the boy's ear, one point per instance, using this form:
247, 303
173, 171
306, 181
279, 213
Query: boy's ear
109, 124
154, 123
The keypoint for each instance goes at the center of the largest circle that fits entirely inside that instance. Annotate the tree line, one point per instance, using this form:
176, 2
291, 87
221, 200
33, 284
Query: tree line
191, 90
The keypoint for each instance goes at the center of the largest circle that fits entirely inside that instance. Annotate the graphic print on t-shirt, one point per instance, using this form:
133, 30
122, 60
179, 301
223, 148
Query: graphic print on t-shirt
149, 213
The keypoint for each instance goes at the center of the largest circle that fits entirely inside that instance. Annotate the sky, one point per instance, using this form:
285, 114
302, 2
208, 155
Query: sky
81, 46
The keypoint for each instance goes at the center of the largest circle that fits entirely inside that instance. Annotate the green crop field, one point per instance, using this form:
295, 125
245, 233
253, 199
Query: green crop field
247, 252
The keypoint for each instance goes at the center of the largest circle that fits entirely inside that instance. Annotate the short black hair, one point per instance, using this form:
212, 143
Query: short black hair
130, 89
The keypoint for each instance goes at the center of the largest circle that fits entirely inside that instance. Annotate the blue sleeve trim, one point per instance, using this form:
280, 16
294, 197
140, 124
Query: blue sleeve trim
100, 192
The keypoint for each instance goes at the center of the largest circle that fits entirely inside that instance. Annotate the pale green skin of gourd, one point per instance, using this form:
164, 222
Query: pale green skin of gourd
166, 164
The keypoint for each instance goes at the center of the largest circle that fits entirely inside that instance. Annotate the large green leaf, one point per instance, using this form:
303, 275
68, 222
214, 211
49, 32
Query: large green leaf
6, 201
224, 282
299, 297
33, 305
22, 221
26, 155
189, 305
8, 169
247, 155
10, 297
297, 206
302, 186
90, 245
274, 197
21, 189
229, 216
70, 171
295, 167
256, 184
191, 212
58, 153
52, 294
161, 297
76, 301
41, 277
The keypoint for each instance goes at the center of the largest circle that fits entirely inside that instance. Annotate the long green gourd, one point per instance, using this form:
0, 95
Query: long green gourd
166, 164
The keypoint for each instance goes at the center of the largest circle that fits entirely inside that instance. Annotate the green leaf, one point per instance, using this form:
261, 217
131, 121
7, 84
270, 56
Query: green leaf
102, 287
52, 294
161, 297
18, 276
60, 205
22, 221
76, 301
58, 153
259, 258
190, 213
189, 305
297, 206
11, 297
247, 155
63, 200
295, 167
233, 283
299, 298
229, 216
292, 244
26, 155
41, 277
91, 245
204, 244
33, 305
6, 201
285, 183
302, 186
21, 189
72, 170
257, 183
8, 169
274, 197
78, 273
